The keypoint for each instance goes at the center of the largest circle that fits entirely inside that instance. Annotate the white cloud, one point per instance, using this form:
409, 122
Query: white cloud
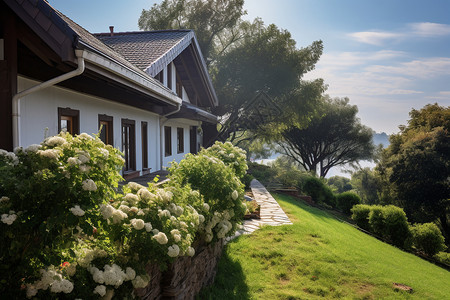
376, 38
344, 60
427, 29
419, 68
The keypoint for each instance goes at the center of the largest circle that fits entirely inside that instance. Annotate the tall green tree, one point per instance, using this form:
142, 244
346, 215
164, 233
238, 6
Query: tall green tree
244, 59
334, 136
416, 166
216, 23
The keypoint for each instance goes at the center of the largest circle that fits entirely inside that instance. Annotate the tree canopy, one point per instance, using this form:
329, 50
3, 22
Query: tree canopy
334, 136
416, 166
244, 58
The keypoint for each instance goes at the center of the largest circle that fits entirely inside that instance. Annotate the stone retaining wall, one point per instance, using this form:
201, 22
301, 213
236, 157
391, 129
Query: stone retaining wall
185, 277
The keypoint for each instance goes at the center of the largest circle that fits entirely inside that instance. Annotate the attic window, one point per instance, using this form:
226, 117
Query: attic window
160, 76
179, 87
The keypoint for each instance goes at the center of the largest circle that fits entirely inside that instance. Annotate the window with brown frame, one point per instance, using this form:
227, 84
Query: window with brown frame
193, 139
180, 140
105, 126
144, 134
169, 76
179, 87
129, 144
168, 140
69, 120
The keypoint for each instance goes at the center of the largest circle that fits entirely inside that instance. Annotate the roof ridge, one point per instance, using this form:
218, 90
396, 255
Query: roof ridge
140, 32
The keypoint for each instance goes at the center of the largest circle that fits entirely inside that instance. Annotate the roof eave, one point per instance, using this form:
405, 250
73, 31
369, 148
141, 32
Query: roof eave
134, 78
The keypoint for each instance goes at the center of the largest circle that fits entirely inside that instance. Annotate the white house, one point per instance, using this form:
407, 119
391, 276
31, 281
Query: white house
150, 92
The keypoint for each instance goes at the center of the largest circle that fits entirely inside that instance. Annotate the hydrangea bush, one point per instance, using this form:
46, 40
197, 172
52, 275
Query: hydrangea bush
68, 232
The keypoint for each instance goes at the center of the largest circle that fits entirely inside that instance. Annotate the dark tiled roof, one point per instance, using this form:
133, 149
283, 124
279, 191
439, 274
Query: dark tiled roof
89, 40
145, 48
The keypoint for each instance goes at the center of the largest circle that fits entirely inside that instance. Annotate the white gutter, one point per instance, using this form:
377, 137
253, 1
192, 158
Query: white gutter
43, 85
161, 132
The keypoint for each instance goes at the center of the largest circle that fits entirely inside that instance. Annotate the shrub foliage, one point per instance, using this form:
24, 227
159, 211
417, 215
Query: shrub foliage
319, 191
68, 232
345, 201
427, 238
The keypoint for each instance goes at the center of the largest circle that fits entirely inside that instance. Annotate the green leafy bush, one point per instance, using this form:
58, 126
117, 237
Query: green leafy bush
427, 238
360, 214
265, 174
396, 229
376, 220
388, 222
443, 258
66, 232
345, 201
319, 192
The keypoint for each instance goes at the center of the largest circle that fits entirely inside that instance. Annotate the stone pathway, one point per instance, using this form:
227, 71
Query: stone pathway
271, 212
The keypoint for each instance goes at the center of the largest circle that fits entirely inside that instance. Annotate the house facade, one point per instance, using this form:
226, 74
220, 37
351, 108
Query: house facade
148, 92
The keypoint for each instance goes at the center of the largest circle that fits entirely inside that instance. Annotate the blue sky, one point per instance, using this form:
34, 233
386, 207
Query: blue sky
387, 56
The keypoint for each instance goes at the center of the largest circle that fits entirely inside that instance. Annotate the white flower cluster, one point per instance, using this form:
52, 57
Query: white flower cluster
13, 159
50, 278
190, 251
234, 195
49, 153
221, 223
109, 211
101, 290
4, 199
164, 196
73, 161
175, 209
9, 218
85, 256
104, 152
161, 238
89, 185
33, 148
85, 136
138, 224
141, 282
146, 195
176, 235
112, 275
55, 141
77, 211
173, 250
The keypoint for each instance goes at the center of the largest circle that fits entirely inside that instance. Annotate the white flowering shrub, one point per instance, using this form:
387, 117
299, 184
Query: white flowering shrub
222, 190
232, 156
68, 232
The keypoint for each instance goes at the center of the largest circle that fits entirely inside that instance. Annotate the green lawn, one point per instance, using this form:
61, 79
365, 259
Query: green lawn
320, 257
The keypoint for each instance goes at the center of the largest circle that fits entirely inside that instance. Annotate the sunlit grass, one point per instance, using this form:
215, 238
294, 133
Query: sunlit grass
320, 257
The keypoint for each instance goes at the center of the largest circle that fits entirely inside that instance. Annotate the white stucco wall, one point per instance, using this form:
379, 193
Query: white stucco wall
174, 124
39, 111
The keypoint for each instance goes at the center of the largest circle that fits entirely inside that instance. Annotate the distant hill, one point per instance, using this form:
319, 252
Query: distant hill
381, 138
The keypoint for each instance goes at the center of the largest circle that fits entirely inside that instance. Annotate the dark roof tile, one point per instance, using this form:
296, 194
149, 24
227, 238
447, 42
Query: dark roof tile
144, 48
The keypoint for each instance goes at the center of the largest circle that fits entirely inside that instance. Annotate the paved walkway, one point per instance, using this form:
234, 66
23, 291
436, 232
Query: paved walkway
271, 212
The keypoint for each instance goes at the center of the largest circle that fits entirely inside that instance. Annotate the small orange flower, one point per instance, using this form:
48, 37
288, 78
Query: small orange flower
65, 264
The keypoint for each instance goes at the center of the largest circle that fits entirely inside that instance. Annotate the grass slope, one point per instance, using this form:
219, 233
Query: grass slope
320, 257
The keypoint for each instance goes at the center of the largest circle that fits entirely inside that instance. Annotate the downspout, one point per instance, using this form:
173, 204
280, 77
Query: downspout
161, 130
43, 85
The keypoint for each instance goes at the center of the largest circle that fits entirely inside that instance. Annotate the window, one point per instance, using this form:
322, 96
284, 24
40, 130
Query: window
69, 120
105, 125
144, 133
180, 140
128, 144
193, 139
160, 76
179, 87
168, 140
169, 76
